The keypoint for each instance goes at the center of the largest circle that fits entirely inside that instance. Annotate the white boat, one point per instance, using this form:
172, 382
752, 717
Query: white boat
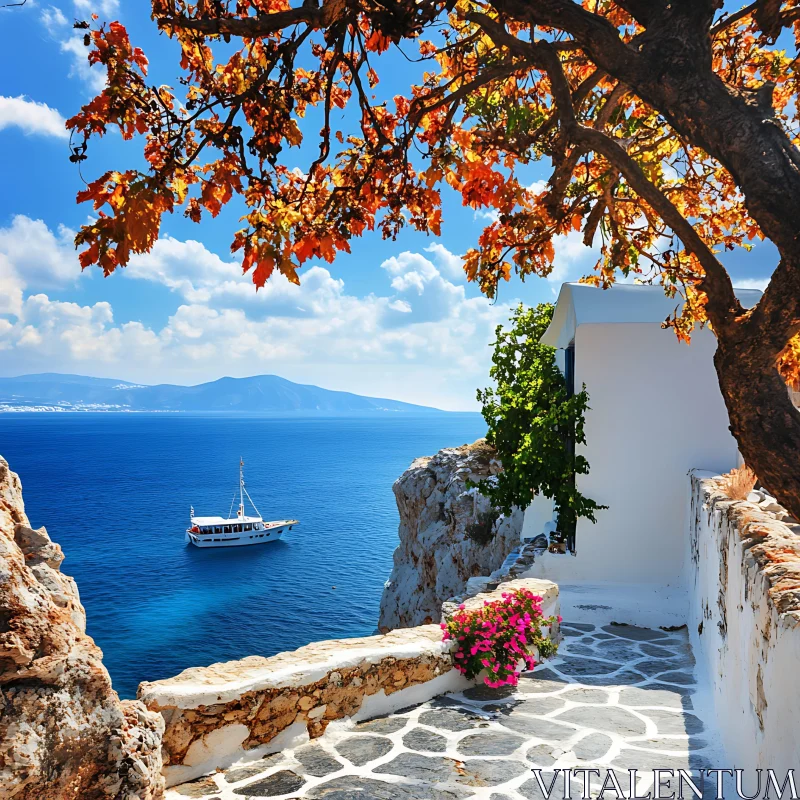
235, 531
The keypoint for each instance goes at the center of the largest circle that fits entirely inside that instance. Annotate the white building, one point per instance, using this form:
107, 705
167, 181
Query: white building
656, 412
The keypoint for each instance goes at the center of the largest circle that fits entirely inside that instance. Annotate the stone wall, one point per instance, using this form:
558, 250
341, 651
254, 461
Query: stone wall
63, 731
241, 710
435, 557
743, 569
214, 715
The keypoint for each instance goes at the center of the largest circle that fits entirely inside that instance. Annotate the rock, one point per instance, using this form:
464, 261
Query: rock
586, 666
683, 678
671, 723
539, 706
592, 747
491, 743
481, 692
202, 787
544, 755
654, 694
634, 633
283, 782
593, 696
436, 557
350, 787
539, 728
554, 784
611, 719
450, 719
433, 769
360, 750
625, 678
382, 725
243, 773
579, 626
426, 741
542, 680
316, 761
64, 731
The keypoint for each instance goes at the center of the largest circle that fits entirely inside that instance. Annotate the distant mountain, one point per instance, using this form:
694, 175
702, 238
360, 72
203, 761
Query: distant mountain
261, 393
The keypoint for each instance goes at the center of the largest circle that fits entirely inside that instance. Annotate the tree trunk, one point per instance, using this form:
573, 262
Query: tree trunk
763, 419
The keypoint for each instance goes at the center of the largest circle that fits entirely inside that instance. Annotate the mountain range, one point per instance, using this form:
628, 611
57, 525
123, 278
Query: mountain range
258, 394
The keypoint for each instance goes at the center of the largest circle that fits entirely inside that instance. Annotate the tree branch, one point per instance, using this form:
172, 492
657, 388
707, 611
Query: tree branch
597, 36
767, 14
643, 11
732, 19
719, 289
247, 27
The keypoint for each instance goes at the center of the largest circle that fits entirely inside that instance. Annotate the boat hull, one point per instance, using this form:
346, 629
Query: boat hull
237, 539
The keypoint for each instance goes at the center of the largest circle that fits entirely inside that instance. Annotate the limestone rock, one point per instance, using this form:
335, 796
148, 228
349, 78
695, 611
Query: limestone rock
436, 557
64, 733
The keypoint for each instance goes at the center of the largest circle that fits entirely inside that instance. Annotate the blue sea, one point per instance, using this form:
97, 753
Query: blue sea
114, 490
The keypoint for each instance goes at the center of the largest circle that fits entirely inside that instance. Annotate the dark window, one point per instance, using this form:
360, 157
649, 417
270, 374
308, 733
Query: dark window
568, 526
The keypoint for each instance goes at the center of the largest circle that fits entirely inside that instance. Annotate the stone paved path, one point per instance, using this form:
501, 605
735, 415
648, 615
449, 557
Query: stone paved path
615, 697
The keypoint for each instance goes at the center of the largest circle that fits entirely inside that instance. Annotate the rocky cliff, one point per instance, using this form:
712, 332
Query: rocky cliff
64, 733
436, 557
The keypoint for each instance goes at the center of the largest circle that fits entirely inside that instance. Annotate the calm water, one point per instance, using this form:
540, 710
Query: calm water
115, 490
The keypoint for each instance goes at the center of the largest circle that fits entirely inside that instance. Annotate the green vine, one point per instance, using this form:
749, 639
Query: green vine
531, 418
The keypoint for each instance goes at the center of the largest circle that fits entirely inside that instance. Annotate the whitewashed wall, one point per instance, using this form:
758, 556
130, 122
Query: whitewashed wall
743, 622
655, 413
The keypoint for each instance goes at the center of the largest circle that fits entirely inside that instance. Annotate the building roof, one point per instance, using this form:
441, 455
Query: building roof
581, 304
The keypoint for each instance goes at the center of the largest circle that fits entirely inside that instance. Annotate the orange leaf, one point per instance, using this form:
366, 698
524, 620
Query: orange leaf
263, 271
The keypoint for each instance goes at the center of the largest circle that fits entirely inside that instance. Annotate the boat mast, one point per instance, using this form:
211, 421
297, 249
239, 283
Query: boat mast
241, 487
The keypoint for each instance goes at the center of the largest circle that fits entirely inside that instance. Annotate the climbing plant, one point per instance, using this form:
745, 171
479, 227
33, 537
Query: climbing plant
531, 418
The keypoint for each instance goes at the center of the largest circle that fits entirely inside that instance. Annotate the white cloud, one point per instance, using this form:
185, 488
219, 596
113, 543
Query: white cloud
94, 76
35, 256
105, 8
573, 259
537, 187
423, 340
751, 283
450, 265
53, 19
31, 117
11, 287
71, 41
487, 214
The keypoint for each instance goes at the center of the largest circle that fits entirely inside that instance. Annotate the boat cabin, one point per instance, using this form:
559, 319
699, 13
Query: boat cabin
218, 525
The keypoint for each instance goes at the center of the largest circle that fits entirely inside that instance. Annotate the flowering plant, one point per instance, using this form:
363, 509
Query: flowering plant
498, 636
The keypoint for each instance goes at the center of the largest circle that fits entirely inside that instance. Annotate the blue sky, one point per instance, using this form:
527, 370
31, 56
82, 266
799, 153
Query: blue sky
392, 319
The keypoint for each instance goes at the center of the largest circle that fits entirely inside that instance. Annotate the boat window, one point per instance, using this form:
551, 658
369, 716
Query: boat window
237, 528
248, 527
217, 529
226, 529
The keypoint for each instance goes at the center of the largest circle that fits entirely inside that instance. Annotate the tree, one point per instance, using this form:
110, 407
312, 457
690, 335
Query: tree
532, 421
671, 126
